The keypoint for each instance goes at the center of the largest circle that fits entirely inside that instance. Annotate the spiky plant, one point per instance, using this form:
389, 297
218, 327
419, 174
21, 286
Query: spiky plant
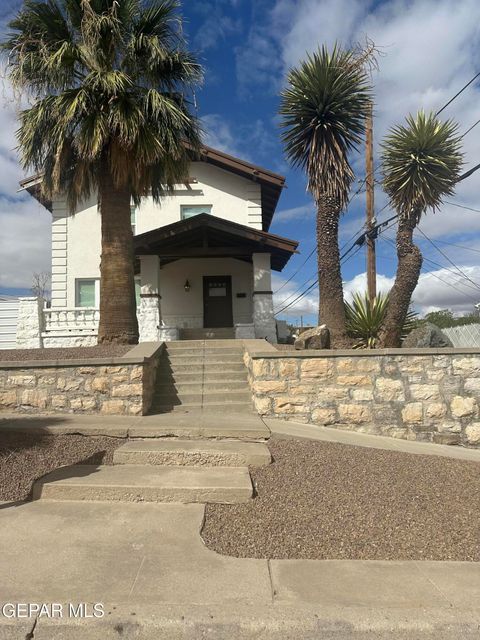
323, 109
109, 80
365, 318
421, 164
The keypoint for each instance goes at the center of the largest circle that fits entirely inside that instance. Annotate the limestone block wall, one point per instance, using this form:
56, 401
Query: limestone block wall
122, 386
418, 394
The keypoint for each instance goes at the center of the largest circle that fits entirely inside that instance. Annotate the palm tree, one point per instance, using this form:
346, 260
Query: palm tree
323, 111
108, 79
421, 164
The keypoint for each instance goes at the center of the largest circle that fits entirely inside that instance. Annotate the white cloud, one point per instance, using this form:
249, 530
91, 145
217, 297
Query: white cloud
295, 213
438, 289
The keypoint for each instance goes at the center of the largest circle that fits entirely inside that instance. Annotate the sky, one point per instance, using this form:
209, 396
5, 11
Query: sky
429, 51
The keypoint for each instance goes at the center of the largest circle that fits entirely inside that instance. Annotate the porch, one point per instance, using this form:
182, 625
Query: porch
208, 277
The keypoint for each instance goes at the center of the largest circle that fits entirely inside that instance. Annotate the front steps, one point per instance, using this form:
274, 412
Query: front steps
221, 333
145, 483
211, 453
195, 445
202, 375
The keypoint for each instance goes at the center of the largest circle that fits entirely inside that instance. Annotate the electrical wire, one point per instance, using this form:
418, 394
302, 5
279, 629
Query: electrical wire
299, 268
457, 94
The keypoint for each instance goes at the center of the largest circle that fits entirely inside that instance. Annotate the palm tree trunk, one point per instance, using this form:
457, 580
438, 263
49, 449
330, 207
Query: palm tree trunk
118, 317
331, 308
408, 271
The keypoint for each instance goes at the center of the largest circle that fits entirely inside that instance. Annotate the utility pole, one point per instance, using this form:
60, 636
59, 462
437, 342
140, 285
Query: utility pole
370, 187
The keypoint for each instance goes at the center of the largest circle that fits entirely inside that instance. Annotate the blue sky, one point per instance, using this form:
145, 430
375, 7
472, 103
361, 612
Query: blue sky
429, 51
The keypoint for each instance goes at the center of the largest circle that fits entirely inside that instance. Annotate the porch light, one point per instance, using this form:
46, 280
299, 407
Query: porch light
186, 286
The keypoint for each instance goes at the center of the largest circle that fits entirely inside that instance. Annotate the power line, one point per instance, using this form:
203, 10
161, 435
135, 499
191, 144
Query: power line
462, 206
457, 94
299, 268
443, 267
431, 273
459, 246
449, 259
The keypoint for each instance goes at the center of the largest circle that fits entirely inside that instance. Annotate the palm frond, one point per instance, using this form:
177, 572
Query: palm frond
111, 80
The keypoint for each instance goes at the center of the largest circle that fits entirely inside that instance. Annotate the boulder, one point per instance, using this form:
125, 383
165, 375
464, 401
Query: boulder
316, 338
427, 335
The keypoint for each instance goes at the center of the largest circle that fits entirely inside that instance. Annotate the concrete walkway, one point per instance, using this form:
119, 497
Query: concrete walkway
147, 564
156, 580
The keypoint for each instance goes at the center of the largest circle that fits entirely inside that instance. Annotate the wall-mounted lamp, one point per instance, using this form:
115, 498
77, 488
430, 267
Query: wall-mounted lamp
186, 286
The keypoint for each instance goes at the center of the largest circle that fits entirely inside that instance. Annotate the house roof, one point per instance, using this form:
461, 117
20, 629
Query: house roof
209, 236
271, 183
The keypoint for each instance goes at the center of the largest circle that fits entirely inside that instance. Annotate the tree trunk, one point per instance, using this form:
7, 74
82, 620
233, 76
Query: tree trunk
331, 308
408, 271
118, 316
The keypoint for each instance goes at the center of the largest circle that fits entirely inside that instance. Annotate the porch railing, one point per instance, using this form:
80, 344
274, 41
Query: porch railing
78, 319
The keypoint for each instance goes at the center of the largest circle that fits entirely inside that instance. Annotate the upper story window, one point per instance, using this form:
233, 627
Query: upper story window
188, 211
133, 218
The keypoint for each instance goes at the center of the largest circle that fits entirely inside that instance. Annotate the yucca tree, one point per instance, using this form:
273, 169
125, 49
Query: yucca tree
365, 318
323, 109
421, 164
108, 79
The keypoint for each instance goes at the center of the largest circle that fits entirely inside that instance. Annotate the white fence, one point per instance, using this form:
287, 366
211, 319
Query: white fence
467, 335
8, 322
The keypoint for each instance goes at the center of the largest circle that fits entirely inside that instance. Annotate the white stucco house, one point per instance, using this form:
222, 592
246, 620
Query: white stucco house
203, 257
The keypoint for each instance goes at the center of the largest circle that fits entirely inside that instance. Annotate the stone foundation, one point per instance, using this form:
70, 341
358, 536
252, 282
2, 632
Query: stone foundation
118, 386
418, 394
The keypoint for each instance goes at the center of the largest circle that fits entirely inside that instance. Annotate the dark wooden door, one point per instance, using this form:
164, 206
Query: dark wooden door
217, 301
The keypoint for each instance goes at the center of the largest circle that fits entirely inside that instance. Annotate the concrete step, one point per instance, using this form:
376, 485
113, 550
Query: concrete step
199, 367
175, 360
145, 483
246, 426
203, 396
173, 377
173, 387
196, 453
199, 348
208, 334
213, 407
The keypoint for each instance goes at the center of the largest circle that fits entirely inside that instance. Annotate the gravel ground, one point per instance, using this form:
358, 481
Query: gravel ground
67, 353
331, 501
26, 457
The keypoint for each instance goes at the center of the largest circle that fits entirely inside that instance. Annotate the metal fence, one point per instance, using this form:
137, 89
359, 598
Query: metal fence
467, 335
8, 322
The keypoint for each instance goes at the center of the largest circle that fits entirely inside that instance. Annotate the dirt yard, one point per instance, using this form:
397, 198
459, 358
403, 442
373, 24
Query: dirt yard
67, 353
26, 457
327, 500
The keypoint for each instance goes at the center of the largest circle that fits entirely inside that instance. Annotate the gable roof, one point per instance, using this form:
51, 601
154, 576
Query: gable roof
271, 183
205, 235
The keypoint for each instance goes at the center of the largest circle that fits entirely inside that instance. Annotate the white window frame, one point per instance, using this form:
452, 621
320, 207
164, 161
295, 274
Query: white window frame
190, 206
97, 291
78, 281
133, 214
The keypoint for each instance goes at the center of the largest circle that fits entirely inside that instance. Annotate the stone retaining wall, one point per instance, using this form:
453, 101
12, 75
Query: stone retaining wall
418, 394
119, 386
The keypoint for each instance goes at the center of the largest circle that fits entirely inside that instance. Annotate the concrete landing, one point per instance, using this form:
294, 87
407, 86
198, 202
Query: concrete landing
145, 483
201, 424
192, 453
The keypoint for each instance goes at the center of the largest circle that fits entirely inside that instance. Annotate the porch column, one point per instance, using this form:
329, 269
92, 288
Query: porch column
149, 313
263, 318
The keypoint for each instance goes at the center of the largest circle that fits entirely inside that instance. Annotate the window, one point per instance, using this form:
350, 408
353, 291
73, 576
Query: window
133, 218
138, 289
188, 211
87, 292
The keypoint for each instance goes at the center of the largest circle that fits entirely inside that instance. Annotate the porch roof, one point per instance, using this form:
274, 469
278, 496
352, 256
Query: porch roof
206, 236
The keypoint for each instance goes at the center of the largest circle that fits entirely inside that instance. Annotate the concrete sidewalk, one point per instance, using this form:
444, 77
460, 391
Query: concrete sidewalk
147, 565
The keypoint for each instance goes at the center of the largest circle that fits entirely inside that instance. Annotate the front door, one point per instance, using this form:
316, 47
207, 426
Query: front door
217, 301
